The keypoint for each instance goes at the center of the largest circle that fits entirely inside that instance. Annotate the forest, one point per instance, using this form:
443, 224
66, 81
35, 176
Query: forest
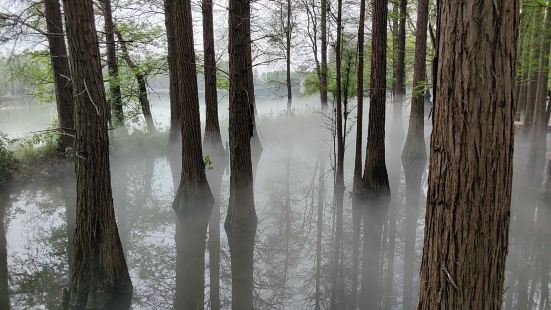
275, 154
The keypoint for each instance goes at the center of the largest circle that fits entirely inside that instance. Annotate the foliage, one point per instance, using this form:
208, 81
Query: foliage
7, 159
34, 69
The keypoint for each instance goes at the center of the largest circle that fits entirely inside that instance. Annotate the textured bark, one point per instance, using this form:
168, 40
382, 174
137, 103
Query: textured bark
288, 32
193, 201
141, 80
469, 195
62, 73
538, 143
357, 184
4, 274
112, 65
99, 273
414, 154
400, 67
535, 47
375, 178
337, 301
323, 39
241, 220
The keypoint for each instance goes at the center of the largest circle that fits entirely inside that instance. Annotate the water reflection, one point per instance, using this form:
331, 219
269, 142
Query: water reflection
293, 243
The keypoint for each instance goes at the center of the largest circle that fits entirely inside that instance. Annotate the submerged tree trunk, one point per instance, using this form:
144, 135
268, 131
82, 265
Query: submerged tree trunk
61, 72
323, 71
414, 154
193, 201
357, 184
141, 80
241, 220
337, 301
99, 273
469, 195
375, 178
113, 68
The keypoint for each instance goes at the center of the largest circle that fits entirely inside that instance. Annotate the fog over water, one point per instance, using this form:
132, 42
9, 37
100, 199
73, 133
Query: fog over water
37, 215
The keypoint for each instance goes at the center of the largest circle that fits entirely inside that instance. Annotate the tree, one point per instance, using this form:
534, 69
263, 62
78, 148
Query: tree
414, 155
323, 71
400, 66
61, 72
112, 65
241, 220
375, 178
212, 144
141, 80
469, 195
357, 184
99, 273
193, 201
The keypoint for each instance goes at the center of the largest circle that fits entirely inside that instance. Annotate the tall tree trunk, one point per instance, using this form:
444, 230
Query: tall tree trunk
535, 47
241, 220
336, 298
469, 195
538, 147
141, 80
323, 71
193, 201
414, 154
400, 68
288, 32
375, 177
62, 73
357, 184
213, 147
99, 273
112, 64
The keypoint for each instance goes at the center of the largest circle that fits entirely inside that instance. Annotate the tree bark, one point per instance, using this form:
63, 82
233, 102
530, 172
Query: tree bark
62, 73
112, 65
357, 184
99, 273
193, 201
288, 29
141, 80
469, 195
241, 220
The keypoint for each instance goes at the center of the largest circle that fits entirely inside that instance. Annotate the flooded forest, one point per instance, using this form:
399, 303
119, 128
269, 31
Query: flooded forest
275, 154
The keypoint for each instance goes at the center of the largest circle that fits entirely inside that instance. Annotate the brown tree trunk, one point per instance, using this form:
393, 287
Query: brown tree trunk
193, 201
323, 71
99, 273
538, 147
375, 178
62, 73
336, 297
357, 184
400, 68
241, 220
414, 155
141, 80
113, 68
469, 195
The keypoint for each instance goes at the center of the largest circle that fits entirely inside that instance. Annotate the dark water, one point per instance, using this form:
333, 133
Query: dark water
37, 224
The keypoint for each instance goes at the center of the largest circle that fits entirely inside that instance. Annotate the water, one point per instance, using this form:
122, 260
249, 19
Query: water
36, 213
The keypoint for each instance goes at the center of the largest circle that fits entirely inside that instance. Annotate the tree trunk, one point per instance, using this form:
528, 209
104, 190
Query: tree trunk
400, 67
241, 220
99, 273
62, 73
193, 201
323, 72
538, 147
357, 186
336, 298
375, 177
469, 195
414, 154
112, 65
141, 80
